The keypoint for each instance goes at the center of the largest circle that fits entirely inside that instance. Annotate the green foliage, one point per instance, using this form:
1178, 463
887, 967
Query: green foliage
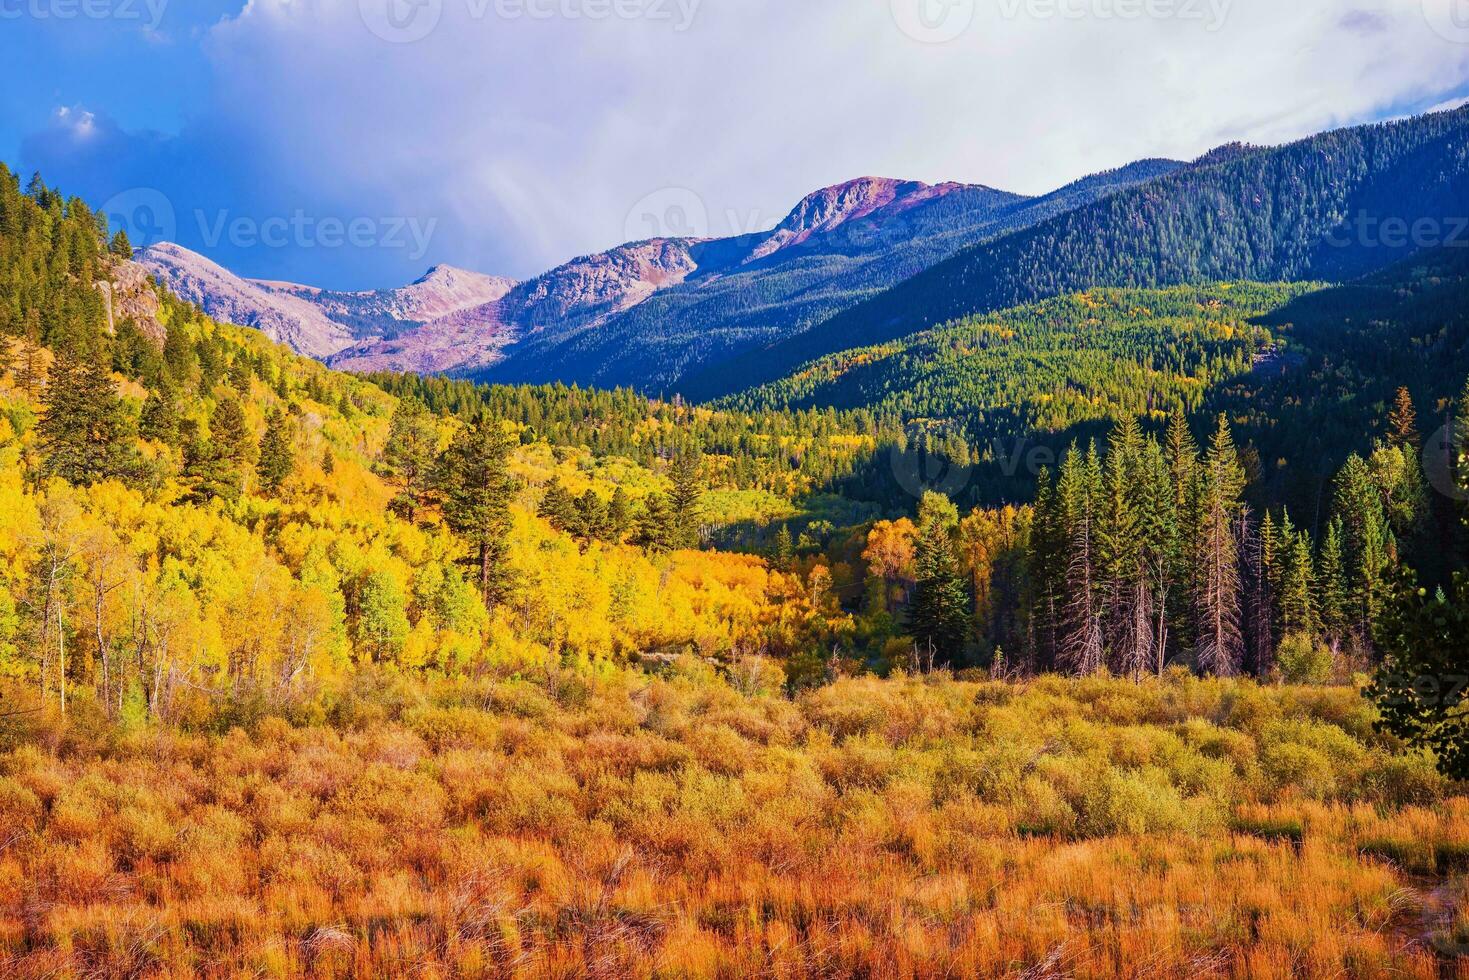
1422, 687
474, 481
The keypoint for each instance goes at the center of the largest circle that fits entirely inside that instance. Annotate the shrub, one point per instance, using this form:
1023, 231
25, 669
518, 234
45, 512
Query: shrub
1303, 659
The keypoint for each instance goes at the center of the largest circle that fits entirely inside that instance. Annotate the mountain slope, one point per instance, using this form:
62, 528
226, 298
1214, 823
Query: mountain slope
317, 322
1309, 210
838, 246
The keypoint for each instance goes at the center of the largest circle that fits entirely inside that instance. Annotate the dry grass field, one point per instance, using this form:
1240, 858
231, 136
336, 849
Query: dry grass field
622, 824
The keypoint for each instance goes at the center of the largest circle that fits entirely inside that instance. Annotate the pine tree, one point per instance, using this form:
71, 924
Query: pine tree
120, 246
277, 454
1219, 644
476, 486
783, 550
1331, 585
559, 509
84, 430
1079, 496
229, 437
1366, 540
685, 497
160, 419
939, 617
619, 515
1298, 588
409, 456
591, 515
1184, 471
656, 531
1402, 423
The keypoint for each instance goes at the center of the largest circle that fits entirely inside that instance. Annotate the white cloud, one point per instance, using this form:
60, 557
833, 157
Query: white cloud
530, 138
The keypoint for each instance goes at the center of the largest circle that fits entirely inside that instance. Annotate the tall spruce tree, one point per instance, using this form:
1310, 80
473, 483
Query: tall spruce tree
85, 432
1079, 497
277, 454
1366, 541
939, 615
409, 456
685, 496
1219, 643
476, 486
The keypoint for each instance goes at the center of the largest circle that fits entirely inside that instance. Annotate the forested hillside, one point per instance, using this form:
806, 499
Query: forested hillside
1332, 207
307, 673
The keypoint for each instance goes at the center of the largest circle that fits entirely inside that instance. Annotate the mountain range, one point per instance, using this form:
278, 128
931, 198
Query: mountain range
875, 259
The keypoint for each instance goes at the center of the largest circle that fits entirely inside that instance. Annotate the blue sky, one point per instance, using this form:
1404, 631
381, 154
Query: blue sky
354, 143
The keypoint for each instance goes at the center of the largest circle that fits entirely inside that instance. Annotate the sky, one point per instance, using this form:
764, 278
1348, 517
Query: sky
352, 144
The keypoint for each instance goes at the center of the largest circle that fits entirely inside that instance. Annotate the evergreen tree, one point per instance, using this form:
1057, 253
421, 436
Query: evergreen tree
1079, 497
120, 247
1402, 423
783, 550
160, 419
476, 486
1298, 588
1219, 643
1420, 687
277, 454
685, 497
229, 438
1331, 585
619, 515
939, 616
1366, 540
409, 455
656, 530
591, 515
559, 509
84, 430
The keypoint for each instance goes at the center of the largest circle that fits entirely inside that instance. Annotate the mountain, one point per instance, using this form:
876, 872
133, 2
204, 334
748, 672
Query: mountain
1331, 207
648, 313
317, 322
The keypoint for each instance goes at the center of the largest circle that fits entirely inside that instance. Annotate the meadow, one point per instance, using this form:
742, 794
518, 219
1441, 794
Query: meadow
617, 823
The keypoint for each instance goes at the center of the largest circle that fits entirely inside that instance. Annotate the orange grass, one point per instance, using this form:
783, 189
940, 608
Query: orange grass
636, 826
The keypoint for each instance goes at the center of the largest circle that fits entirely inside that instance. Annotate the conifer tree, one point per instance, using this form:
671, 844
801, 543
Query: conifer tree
1079, 496
229, 437
1298, 588
84, 429
277, 455
559, 509
783, 550
1402, 423
160, 418
939, 618
685, 497
1219, 643
1331, 585
656, 531
1366, 540
591, 515
409, 456
476, 486
619, 515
